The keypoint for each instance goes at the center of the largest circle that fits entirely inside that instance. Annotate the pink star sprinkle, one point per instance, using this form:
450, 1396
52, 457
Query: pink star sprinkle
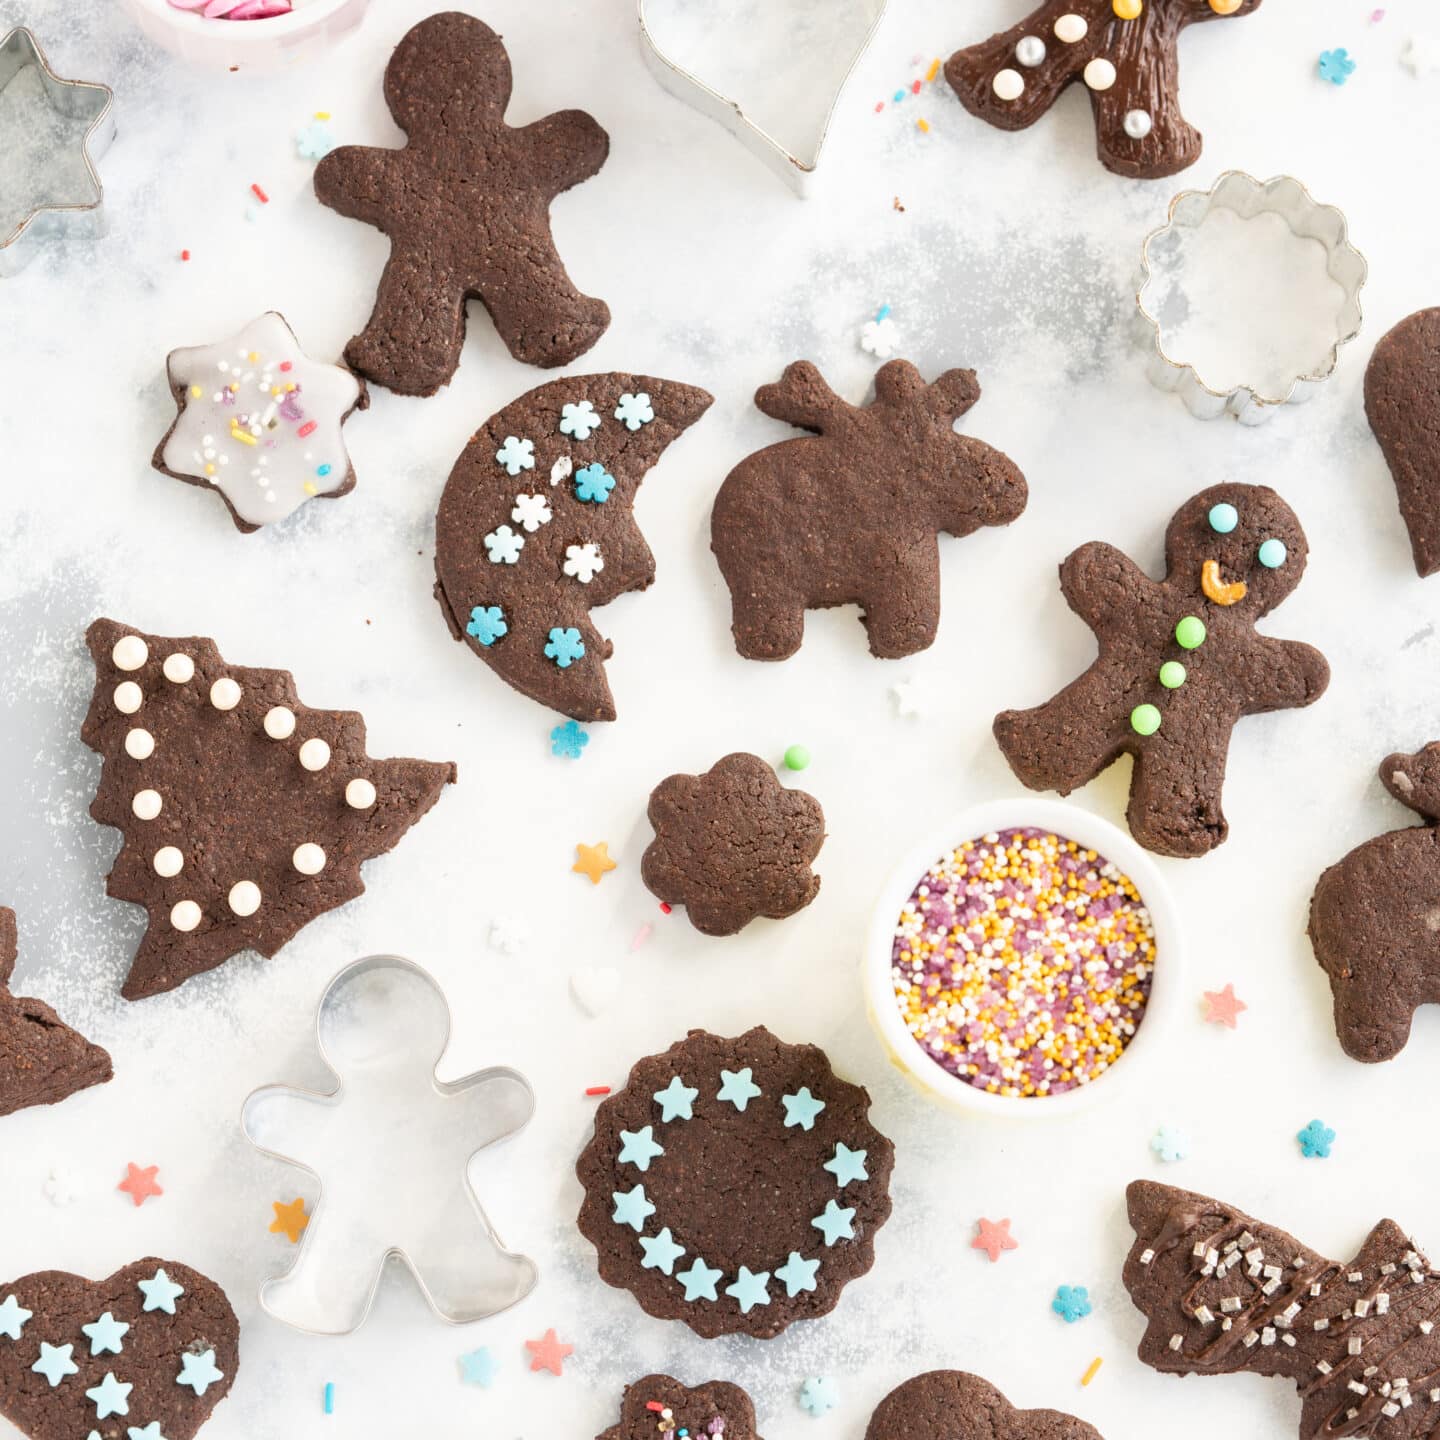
139, 1183
994, 1238
1223, 1007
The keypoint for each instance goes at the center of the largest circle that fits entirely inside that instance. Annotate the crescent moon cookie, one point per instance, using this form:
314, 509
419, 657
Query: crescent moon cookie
245, 813
659, 1405
536, 527
735, 1184
952, 1405
259, 422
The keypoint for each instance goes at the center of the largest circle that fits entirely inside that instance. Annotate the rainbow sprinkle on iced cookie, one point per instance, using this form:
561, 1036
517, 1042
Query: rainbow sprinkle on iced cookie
1022, 962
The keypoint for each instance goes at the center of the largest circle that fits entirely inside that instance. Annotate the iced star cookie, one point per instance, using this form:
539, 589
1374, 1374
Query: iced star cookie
147, 1353
659, 1407
245, 812
952, 1405
735, 1184
259, 422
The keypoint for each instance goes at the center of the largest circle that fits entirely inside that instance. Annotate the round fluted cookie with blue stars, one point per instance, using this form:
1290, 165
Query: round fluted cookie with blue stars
715, 1410
735, 1184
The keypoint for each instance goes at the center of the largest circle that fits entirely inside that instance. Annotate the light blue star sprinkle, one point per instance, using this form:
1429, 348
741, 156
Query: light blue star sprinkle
105, 1334
13, 1316
199, 1372
737, 1087
699, 1281
835, 1224
149, 1432
819, 1394
675, 1100
801, 1108
846, 1165
639, 1149
111, 1397
797, 1274
161, 1292
661, 1251
478, 1367
749, 1289
632, 1208
55, 1363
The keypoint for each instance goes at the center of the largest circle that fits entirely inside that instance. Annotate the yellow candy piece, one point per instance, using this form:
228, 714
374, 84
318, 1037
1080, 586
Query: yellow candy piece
1130, 9
1226, 7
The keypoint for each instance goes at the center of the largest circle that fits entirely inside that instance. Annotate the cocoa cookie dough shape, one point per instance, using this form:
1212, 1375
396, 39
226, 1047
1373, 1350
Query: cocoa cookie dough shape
466, 205
851, 515
1180, 662
1223, 1292
659, 1407
735, 1184
1125, 53
953, 1405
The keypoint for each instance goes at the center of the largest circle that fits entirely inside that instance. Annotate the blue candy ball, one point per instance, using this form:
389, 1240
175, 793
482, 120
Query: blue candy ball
1272, 554
1223, 518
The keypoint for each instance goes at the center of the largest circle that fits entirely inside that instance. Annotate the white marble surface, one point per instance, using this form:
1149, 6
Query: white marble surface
1013, 254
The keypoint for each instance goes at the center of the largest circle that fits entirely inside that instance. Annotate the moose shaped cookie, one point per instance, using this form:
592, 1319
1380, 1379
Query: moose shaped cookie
953, 1405
851, 515
1180, 662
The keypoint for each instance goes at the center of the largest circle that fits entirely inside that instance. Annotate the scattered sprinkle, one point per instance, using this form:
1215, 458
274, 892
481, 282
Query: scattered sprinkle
664, 907
880, 337
139, 1184
569, 740
322, 115
797, 757
819, 1394
548, 1353
478, 1367
259, 194
906, 695
290, 1220
1170, 1143
597, 1090
1336, 66
1092, 1371
507, 935
994, 1238
184, 254
1315, 1140
1071, 1303
641, 936
593, 860
329, 1397
314, 141
923, 125
1223, 1007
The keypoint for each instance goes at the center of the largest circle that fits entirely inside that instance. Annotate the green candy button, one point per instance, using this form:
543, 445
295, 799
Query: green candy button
1190, 633
1172, 674
1145, 719
797, 757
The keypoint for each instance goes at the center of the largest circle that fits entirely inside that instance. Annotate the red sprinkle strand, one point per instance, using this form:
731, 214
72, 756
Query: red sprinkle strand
654, 1405
305, 429
260, 195
664, 907
598, 1090
184, 254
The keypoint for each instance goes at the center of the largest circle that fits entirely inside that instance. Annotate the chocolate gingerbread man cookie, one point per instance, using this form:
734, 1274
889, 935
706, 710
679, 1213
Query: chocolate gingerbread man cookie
660, 1406
851, 515
951, 1405
735, 1184
466, 204
732, 844
1223, 1292
42, 1060
1375, 915
1180, 662
1402, 403
1127, 55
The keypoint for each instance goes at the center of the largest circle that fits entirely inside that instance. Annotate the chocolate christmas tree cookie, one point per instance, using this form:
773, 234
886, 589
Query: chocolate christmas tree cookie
259, 422
851, 514
951, 1405
1223, 1292
245, 813
735, 1184
42, 1060
660, 1406
1180, 662
536, 527
466, 205
1125, 53
147, 1353
732, 844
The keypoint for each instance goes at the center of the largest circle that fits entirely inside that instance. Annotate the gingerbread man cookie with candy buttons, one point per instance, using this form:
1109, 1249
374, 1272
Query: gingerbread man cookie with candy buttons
1180, 662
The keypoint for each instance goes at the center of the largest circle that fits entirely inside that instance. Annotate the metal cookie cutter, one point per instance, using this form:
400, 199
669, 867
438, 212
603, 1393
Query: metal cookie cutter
1308, 220
797, 170
74, 99
392, 1144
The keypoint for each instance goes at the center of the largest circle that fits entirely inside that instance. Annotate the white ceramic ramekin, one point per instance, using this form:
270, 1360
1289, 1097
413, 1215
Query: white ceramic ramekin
272, 44
1055, 816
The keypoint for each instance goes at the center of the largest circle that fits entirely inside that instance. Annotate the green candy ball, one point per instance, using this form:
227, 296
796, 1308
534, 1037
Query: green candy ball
1190, 633
1145, 719
1172, 674
797, 757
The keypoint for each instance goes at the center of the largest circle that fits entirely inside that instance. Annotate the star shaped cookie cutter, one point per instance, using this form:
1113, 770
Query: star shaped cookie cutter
798, 171
77, 99
395, 1187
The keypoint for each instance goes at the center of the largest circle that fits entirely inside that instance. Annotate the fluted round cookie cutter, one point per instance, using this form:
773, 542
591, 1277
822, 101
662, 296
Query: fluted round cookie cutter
798, 171
455, 1304
20, 51
1307, 219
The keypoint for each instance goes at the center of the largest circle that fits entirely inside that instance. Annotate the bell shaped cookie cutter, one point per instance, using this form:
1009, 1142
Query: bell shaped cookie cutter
798, 171
390, 1144
1308, 220
78, 99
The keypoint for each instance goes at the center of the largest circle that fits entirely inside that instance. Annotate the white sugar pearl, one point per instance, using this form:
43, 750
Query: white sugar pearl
1008, 84
359, 793
168, 861
1071, 28
146, 804
185, 915
128, 697
130, 652
1099, 73
315, 754
139, 744
225, 693
1031, 51
279, 722
308, 859
244, 897
1138, 124
179, 669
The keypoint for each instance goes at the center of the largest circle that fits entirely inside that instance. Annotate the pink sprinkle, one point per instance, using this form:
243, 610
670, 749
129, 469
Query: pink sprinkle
642, 935
306, 429
879, 106
260, 195
664, 907
287, 365
184, 254
915, 88
597, 1089
1377, 17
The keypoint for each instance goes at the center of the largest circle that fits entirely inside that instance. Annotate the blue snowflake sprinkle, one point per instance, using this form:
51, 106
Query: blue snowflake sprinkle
564, 647
1170, 1143
1336, 66
594, 483
569, 740
1315, 1140
487, 624
314, 142
819, 1394
1071, 1303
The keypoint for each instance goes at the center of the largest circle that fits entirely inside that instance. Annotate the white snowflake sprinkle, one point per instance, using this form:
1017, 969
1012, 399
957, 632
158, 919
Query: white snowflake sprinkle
583, 562
880, 338
503, 546
579, 421
531, 512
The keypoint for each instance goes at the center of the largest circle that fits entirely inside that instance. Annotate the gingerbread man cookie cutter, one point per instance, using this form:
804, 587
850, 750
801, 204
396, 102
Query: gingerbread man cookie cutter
76, 100
394, 1182
798, 171
1307, 219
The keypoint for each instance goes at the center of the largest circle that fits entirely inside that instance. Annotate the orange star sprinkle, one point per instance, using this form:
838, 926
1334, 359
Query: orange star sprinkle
1224, 1007
593, 860
139, 1184
548, 1353
994, 1238
290, 1220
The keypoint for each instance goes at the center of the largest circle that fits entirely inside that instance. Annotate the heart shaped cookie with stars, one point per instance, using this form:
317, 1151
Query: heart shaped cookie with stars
146, 1354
